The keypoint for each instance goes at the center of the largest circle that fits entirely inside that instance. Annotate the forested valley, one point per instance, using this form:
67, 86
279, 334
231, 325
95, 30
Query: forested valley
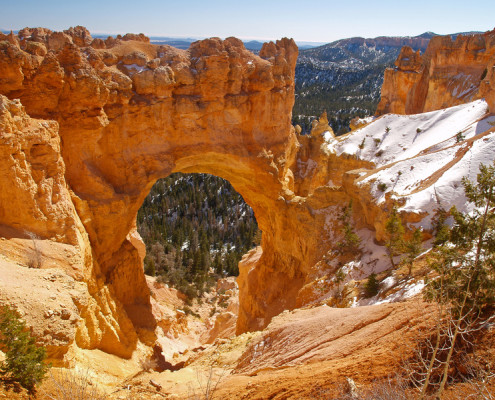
196, 228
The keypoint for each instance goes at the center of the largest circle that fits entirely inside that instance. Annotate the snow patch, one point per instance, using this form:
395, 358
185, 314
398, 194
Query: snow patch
420, 158
134, 68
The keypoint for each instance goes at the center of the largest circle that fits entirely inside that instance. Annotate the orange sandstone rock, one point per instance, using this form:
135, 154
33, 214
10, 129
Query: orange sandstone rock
133, 112
451, 72
129, 113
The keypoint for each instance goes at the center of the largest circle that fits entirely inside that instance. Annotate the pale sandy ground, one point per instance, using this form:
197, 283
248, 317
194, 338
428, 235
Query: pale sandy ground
298, 352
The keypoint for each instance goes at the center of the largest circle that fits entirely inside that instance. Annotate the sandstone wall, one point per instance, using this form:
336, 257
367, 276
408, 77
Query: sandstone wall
451, 72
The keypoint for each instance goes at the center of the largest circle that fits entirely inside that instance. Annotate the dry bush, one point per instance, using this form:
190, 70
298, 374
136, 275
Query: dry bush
390, 389
433, 354
147, 364
479, 378
73, 385
207, 384
34, 257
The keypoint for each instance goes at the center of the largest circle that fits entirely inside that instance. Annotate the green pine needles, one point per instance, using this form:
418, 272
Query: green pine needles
372, 286
466, 263
395, 232
465, 282
23, 358
350, 242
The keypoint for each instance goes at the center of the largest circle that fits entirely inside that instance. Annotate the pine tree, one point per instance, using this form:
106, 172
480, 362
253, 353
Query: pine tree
470, 253
372, 286
465, 267
395, 232
413, 249
441, 229
23, 358
149, 266
351, 241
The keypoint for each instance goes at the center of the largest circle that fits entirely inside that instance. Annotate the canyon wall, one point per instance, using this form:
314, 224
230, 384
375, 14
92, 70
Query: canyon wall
449, 73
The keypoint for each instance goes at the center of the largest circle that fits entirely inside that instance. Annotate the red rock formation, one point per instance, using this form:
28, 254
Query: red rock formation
114, 116
451, 72
129, 113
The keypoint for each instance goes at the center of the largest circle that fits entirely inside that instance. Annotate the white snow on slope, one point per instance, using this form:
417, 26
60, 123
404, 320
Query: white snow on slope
411, 134
411, 148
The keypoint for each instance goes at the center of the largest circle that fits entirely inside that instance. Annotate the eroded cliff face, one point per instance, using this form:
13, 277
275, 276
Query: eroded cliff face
129, 112
451, 72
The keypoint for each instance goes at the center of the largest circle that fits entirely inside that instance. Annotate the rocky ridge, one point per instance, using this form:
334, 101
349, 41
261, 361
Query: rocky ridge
344, 77
451, 72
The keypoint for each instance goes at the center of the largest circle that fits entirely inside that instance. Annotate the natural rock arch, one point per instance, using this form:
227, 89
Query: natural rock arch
129, 113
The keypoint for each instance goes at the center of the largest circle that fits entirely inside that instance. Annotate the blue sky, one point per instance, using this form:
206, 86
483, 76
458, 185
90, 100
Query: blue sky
319, 21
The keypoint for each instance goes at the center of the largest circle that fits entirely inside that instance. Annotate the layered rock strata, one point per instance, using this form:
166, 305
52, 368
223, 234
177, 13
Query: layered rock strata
451, 72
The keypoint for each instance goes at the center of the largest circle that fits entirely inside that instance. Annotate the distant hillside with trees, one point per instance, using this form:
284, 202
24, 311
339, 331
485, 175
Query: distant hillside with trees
196, 228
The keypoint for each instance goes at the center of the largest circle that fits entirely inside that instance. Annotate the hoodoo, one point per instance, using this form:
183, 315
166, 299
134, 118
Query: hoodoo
451, 72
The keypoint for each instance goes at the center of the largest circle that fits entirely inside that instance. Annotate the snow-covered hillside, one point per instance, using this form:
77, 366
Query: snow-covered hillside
422, 158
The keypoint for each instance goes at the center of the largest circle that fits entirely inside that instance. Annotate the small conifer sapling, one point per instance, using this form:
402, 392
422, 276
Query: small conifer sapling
23, 358
395, 233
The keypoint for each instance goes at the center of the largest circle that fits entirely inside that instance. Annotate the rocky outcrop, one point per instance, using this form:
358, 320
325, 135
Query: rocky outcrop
451, 72
130, 112
36, 199
224, 323
309, 336
98, 122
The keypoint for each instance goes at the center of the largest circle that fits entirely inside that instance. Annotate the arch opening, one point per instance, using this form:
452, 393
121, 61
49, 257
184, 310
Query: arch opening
196, 228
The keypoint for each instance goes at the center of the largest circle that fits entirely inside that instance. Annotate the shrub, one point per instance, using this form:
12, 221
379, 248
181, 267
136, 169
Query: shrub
34, 258
23, 358
377, 141
149, 266
395, 233
413, 249
382, 187
372, 286
361, 145
388, 129
350, 241
73, 385
459, 137
379, 153
418, 130
440, 228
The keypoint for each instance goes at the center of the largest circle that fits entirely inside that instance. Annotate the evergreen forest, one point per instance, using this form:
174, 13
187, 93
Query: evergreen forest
196, 228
